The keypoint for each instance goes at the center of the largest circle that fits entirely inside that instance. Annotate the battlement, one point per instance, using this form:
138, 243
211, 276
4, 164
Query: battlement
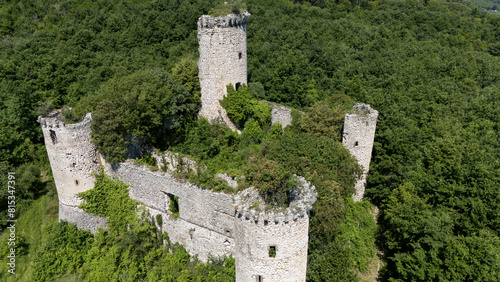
231, 20
301, 202
364, 110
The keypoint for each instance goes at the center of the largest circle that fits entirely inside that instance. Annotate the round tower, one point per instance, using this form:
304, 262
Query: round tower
358, 136
73, 159
272, 246
223, 61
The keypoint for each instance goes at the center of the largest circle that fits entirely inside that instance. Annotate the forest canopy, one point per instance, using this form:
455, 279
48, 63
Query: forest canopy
431, 69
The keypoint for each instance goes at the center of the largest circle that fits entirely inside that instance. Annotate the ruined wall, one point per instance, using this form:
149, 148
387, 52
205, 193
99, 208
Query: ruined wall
282, 115
358, 136
223, 60
207, 225
206, 219
73, 159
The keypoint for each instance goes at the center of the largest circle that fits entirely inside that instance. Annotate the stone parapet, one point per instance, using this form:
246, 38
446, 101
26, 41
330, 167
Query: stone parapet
301, 202
231, 20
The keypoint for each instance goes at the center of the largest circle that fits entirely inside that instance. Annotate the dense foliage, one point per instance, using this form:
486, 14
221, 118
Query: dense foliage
240, 104
431, 69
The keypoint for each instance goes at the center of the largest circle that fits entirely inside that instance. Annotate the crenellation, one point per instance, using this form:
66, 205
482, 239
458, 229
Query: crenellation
228, 21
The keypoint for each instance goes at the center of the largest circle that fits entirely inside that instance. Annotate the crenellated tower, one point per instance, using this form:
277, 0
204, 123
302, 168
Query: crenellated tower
358, 136
223, 61
272, 246
73, 159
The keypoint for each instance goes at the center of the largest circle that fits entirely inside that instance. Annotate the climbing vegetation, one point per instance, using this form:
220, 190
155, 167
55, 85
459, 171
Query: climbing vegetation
431, 69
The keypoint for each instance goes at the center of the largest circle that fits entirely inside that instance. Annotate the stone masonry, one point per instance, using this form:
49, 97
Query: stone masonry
210, 224
223, 61
216, 224
268, 244
358, 136
73, 159
281, 115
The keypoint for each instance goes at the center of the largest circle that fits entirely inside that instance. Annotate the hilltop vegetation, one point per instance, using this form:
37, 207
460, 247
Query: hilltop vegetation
430, 68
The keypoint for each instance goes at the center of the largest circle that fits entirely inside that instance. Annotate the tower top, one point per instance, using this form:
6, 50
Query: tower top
230, 20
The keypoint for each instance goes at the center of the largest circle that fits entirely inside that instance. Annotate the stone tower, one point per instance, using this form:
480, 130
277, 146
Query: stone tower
223, 61
358, 136
272, 246
73, 159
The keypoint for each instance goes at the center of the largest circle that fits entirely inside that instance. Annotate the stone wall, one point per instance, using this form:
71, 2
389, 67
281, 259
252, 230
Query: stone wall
206, 219
358, 136
255, 238
282, 115
73, 159
223, 60
215, 224
208, 224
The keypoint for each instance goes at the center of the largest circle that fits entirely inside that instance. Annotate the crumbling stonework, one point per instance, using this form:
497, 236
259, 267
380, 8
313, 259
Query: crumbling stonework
73, 159
223, 61
286, 232
206, 219
282, 115
358, 136
268, 245
214, 223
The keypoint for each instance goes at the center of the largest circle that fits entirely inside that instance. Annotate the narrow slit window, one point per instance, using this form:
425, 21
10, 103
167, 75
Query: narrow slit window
259, 278
356, 144
272, 251
53, 136
76, 182
240, 55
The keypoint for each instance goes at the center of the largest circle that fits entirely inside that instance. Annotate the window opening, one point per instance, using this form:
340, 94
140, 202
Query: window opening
53, 136
238, 85
76, 182
173, 205
356, 144
259, 278
239, 55
272, 251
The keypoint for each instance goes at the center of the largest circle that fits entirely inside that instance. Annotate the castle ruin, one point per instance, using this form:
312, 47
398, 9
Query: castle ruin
267, 245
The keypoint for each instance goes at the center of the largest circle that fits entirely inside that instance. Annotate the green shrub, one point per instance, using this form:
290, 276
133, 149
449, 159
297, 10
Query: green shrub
240, 105
147, 159
271, 180
110, 199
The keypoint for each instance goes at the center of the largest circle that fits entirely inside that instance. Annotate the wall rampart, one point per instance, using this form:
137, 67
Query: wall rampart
205, 225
